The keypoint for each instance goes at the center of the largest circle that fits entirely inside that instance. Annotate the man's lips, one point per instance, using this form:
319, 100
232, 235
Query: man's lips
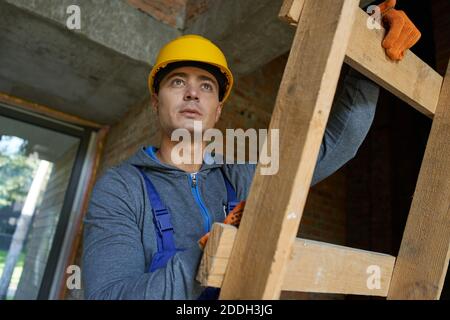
190, 111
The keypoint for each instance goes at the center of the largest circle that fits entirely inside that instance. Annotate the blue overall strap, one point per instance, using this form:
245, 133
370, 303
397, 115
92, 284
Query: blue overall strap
210, 293
163, 226
232, 200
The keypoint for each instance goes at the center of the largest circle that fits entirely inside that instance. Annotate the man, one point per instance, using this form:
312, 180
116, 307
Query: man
147, 215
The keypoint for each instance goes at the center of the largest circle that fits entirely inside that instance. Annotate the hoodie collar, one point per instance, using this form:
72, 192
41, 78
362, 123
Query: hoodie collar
146, 157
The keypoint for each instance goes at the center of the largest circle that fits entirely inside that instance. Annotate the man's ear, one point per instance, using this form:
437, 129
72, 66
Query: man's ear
219, 111
155, 102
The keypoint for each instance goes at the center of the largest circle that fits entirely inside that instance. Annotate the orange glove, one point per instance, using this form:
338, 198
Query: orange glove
233, 218
402, 34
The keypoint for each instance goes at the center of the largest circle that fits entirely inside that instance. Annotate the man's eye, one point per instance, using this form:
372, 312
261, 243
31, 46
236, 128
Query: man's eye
177, 82
207, 86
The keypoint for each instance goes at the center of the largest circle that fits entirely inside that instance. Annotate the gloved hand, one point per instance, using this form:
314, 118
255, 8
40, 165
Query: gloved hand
402, 34
233, 218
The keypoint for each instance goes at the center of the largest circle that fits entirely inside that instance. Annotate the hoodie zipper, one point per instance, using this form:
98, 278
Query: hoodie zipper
198, 199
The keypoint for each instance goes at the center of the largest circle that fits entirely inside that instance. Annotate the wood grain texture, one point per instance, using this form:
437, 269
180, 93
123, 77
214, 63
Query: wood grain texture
424, 253
411, 79
216, 255
276, 202
313, 266
290, 11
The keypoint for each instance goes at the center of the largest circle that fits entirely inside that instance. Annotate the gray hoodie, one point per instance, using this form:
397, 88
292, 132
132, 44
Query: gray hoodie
119, 235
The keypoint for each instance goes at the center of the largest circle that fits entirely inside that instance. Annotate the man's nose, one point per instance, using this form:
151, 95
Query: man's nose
191, 93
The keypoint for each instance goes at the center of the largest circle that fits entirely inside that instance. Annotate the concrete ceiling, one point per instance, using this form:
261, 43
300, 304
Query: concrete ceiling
99, 71
44, 62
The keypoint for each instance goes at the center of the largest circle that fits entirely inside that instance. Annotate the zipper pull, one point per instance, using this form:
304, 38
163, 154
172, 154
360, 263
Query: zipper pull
194, 179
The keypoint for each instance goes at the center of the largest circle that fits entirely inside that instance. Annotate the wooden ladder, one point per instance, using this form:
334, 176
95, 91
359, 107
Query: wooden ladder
263, 256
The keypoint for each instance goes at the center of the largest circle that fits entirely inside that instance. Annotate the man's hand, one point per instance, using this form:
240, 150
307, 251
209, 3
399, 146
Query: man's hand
402, 34
233, 218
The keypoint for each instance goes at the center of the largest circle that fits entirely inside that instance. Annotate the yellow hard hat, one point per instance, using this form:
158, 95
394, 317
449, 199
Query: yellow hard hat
199, 51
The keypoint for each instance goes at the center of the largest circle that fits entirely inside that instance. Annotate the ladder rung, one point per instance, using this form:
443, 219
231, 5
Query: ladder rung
411, 80
313, 266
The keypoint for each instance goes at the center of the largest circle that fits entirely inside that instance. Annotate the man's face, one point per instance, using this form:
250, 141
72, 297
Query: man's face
187, 94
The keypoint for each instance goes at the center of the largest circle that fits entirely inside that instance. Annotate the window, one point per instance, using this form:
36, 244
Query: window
40, 164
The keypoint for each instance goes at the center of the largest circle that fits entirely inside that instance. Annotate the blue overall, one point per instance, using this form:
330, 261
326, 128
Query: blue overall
164, 230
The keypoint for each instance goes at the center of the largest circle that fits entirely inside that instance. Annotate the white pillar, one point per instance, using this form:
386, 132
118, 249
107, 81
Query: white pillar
22, 226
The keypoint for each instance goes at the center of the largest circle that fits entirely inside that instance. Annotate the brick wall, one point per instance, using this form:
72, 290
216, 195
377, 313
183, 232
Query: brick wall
176, 13
171, 12
138, 127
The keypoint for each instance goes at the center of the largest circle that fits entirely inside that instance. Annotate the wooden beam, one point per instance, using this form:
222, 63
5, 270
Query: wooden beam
313, 266
322, 267
275, 203
424, 253
290, 11
411, 79
216, 255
